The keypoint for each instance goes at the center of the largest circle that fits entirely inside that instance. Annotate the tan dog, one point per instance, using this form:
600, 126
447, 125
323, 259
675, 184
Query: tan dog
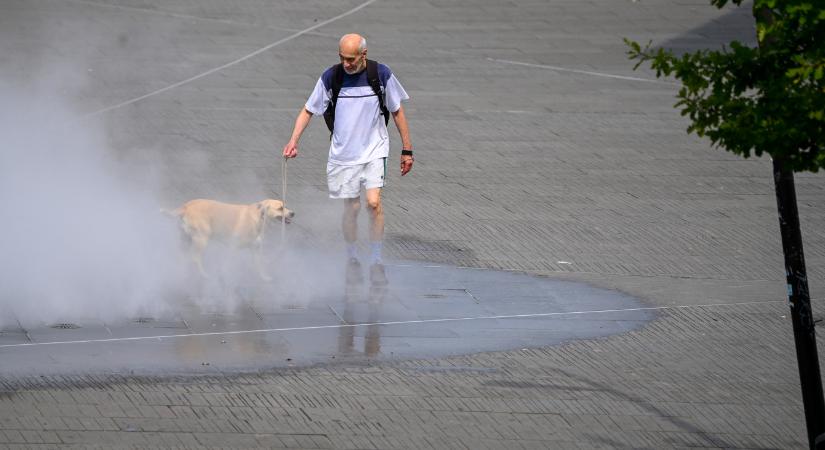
239, 225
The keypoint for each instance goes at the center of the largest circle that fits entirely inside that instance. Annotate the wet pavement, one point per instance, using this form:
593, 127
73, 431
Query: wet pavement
426, 311
538, 149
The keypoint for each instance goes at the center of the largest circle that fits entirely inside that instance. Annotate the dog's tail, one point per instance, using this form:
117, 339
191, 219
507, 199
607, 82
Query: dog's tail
177, 212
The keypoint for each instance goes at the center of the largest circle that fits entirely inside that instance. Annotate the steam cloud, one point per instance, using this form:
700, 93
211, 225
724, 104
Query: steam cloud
82, 237
77, 241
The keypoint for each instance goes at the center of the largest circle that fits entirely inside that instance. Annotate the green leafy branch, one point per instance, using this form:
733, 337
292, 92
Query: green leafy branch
750, 101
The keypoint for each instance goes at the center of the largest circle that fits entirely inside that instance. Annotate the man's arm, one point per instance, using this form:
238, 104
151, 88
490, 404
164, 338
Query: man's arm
406, 144
301, 122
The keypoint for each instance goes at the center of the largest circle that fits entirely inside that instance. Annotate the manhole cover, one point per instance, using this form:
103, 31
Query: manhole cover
66, 326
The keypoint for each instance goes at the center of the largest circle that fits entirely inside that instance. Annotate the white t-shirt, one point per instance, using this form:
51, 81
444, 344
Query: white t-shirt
360, 134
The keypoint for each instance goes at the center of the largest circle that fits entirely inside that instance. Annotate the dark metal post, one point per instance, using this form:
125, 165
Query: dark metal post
800, 303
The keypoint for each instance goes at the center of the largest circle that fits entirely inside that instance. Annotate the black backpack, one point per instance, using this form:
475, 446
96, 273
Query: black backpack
338, 80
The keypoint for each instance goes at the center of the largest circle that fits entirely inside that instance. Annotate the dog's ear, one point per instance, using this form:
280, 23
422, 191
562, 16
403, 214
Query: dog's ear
262, 209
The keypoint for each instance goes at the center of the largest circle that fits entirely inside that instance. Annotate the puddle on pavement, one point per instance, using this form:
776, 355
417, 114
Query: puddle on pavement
426, 311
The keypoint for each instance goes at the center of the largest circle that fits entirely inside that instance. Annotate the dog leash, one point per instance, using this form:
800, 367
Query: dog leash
283, 199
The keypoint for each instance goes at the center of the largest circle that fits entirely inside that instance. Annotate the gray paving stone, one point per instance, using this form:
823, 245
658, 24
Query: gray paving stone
518, 168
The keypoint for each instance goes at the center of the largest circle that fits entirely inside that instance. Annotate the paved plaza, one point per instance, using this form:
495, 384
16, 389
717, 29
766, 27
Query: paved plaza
568, 267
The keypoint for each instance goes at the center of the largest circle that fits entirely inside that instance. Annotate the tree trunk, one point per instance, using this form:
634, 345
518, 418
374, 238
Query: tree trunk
800, 303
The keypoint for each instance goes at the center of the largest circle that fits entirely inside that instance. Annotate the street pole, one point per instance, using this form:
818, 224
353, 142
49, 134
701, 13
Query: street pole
800, 303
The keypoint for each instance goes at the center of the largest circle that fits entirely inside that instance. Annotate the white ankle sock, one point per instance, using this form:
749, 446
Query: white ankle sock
375, 252
352, 250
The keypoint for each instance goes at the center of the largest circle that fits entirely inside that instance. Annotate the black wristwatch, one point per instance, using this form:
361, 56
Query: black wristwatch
406, 153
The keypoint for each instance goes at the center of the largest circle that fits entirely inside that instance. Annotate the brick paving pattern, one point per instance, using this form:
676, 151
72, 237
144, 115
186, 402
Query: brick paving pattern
523, 162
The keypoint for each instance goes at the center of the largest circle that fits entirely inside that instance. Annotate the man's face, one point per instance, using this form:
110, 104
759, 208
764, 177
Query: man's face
353, 61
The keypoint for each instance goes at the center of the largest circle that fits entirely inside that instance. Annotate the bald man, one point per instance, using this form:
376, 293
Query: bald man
359, 145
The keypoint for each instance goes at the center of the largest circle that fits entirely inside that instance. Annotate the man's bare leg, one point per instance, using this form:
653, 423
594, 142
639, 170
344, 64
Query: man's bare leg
376, 215
349, 225
377, 276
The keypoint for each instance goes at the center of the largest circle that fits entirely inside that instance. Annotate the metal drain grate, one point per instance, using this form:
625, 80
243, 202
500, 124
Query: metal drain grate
434, 296
145, 319
66, 326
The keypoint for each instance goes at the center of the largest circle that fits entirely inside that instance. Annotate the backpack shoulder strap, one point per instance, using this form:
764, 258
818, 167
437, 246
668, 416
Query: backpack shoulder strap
335, 86
375, 84
337, 81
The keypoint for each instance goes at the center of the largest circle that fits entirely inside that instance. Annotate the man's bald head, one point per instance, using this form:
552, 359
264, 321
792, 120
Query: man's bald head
352, 43
352, 48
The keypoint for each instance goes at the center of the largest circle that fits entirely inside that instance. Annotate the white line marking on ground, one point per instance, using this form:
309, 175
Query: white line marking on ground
399, 322
586, 272
159, 12
585, 72
231, 63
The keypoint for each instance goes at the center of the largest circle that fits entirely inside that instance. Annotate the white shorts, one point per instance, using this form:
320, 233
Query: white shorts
346, 181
